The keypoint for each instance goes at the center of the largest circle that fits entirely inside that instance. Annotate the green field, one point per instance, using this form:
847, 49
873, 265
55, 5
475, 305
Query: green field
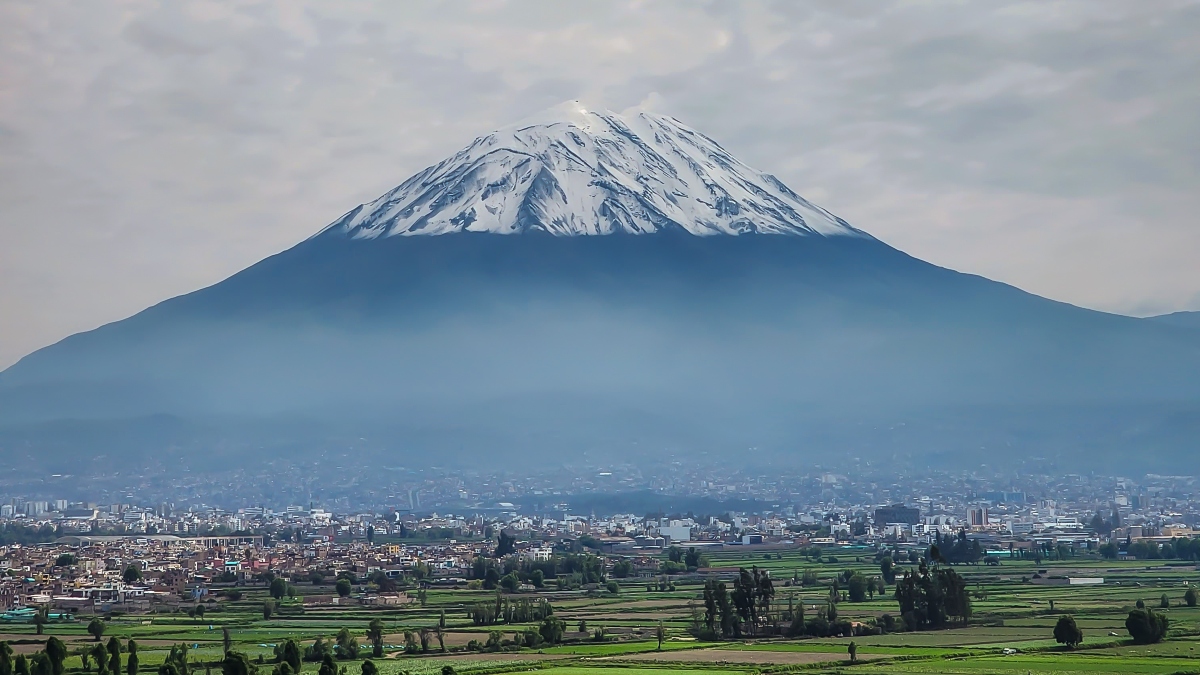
1010, 612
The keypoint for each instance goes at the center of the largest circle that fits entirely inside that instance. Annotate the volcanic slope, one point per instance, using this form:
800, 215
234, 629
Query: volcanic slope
616, 283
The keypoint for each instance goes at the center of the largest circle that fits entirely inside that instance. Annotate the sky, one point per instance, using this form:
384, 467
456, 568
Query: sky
148, 149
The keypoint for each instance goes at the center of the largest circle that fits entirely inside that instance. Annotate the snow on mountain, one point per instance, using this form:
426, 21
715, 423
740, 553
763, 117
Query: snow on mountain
572, 171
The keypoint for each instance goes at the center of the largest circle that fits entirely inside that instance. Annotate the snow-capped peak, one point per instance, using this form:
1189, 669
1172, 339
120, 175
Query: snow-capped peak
573, 171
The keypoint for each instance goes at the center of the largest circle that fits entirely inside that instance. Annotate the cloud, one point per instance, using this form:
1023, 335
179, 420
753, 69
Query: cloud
147, 149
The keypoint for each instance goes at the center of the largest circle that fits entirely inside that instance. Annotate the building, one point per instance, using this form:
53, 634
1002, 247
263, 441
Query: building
897, 513
977, 517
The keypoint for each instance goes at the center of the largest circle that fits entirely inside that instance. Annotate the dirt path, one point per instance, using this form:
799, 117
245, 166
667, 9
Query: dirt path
740, 656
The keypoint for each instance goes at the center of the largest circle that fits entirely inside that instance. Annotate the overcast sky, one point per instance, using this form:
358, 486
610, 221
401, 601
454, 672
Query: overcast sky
151, 148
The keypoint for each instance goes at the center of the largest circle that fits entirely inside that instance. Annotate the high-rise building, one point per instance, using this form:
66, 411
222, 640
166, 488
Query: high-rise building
977, 517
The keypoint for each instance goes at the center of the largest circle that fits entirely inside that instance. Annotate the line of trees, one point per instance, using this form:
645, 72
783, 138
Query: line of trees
930, 597
570, 570
504, 610
745, 610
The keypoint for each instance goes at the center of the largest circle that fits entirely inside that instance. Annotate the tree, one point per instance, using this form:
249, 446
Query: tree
20, 665
491, 579
613, 587
100, 655
347, 645
660, 633
226, 640
853, 650
796, 627
40, 665
506, 545
114, 656
291, 655
6, 664
1146, 627
929, 597
178, 659
857, 587
132, 574
1190, 597
887, 567
1066, 632
236, 663
343, 587
131, 661
622, 569
375, 635
268, 608
96, 629
1164, 602
552, 629
510, 582
369, 668
56, 653
279, 588
441, 638
327, 666
41, 617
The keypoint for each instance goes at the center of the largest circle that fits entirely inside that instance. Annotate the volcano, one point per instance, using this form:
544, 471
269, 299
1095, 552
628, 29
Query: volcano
618, 284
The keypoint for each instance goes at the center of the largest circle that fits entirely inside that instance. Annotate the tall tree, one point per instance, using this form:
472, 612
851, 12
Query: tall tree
6, 654
506, 545
291, 655
114, 656
96, 628
131, 662
56, 652
347, 645
100, 656
327, 666
375, 635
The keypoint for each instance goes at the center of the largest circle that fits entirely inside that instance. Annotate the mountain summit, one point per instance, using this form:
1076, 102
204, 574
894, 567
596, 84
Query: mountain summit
572, 171
504, 337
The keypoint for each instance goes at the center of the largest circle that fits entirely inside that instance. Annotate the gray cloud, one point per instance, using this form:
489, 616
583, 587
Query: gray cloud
148, 149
